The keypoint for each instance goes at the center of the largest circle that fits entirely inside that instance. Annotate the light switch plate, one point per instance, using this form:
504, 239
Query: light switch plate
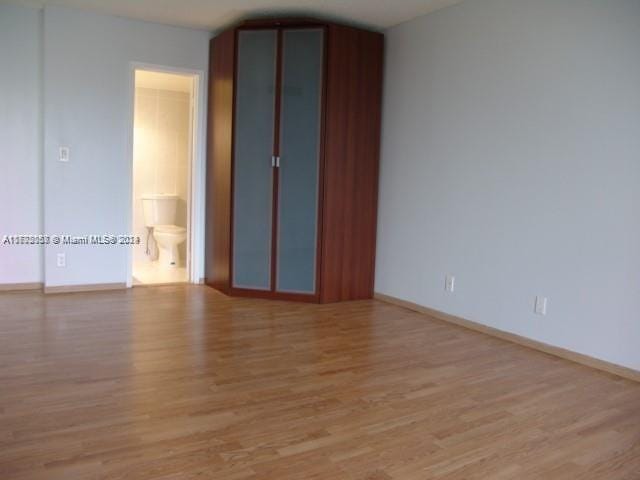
63, 154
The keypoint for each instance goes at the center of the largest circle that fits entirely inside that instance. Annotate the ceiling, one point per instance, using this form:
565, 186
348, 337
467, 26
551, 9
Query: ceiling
216, 14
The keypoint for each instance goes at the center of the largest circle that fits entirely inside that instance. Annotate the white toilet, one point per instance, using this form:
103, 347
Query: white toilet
160, 215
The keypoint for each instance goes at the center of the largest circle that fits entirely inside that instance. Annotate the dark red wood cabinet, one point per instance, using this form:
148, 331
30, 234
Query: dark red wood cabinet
292, 160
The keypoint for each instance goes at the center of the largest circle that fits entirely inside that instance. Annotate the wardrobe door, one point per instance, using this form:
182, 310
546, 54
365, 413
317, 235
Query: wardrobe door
253, 148
298, 182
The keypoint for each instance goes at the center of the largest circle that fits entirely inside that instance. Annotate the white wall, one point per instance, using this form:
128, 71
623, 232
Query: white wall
88, 95
511, 158
20, 136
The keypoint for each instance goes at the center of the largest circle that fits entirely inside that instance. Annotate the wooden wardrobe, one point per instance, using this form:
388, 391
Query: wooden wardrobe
292, 161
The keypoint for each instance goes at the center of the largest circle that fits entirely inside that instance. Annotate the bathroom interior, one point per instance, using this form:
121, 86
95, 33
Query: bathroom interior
162, 152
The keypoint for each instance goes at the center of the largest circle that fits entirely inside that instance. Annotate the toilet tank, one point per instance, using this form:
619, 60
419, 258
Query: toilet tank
159, 209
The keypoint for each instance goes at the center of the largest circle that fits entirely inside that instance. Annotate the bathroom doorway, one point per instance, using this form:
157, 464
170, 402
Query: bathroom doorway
163, 152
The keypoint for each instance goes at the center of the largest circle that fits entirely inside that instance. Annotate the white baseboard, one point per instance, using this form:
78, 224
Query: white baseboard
15, 287
84, 288
580, 358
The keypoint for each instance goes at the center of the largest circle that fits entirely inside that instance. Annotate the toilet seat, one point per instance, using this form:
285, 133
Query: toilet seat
175, 229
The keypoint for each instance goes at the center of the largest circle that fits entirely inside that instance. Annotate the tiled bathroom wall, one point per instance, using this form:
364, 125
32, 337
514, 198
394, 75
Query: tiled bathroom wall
161, 146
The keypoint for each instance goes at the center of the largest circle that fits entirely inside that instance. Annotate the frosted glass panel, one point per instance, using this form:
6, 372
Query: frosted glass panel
299, 151
252, 195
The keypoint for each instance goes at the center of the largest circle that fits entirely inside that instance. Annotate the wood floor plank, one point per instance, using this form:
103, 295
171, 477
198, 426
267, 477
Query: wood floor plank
181, 382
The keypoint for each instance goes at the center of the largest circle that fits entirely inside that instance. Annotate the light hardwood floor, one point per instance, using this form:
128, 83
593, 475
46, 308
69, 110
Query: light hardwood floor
180, 382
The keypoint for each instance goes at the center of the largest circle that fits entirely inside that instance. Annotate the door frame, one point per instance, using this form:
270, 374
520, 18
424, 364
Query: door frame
197, 163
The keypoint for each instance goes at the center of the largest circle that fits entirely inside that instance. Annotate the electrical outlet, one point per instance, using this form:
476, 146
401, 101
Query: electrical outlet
540, 306
450, 283
61, 260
